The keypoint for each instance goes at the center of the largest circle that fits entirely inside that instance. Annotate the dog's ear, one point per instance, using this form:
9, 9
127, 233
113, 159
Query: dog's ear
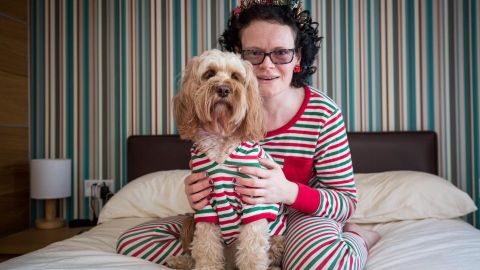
253, 128
183, 104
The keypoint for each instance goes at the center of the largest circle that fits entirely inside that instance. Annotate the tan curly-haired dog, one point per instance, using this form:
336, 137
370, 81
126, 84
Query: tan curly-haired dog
219, 108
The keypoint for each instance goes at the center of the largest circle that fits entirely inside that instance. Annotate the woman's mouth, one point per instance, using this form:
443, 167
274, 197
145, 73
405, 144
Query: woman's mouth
267, 78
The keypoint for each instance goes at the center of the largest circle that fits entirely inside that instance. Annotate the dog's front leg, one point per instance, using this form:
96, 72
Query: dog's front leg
253, 246
207, 247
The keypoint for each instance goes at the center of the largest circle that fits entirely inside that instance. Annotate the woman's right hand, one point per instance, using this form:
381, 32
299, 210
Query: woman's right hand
198, 188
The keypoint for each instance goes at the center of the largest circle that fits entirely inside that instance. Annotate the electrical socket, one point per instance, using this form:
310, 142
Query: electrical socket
88, 186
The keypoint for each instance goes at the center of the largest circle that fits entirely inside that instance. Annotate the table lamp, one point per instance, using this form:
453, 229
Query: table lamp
50, 179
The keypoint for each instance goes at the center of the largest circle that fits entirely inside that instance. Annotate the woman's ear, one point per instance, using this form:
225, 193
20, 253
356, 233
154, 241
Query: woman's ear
298, 56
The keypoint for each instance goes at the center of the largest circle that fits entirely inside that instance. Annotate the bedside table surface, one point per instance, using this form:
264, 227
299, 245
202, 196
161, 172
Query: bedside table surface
32, 239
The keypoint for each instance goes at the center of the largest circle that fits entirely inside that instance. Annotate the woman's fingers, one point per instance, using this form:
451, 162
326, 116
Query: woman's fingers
200, 195
250, 182
254, 171
252, 192
194, 177
253, 200
200, 205
198, 186
197, 189
269, 163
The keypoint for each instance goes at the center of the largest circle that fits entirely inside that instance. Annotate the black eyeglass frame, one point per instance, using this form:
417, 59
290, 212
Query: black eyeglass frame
269, 55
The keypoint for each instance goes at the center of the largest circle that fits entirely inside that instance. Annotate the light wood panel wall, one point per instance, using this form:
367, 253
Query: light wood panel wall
14, 183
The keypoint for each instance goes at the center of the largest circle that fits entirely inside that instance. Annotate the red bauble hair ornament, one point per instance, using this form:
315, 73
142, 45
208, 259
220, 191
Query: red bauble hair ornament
297, 69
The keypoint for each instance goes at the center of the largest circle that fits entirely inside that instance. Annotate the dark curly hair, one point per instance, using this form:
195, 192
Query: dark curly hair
307, 38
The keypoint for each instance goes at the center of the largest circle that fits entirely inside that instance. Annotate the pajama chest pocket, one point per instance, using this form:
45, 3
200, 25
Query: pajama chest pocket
298, 169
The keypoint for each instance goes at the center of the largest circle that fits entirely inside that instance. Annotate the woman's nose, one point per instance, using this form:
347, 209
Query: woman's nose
267, 62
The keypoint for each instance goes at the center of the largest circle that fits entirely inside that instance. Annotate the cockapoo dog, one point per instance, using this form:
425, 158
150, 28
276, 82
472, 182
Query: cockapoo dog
219, 109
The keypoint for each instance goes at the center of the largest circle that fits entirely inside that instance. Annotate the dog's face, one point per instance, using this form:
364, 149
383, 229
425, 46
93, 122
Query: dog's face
219, 94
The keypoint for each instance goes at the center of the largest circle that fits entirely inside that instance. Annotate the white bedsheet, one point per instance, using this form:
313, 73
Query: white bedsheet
424, 244
94, 249
450, 244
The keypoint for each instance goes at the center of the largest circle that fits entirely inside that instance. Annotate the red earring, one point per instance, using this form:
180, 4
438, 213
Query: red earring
297, 69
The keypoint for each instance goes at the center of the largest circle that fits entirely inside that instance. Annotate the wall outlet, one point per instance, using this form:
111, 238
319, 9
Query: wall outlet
96, 191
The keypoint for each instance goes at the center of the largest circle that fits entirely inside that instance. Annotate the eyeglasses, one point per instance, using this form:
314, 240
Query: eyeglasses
279, 57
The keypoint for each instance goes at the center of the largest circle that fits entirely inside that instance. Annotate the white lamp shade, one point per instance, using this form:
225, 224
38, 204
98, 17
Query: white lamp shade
50, 178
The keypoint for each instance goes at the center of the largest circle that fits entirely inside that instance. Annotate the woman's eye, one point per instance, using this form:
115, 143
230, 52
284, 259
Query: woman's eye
281, 52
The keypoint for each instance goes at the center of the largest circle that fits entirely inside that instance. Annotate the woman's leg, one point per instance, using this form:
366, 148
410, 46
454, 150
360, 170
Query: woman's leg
319, 243
154, 241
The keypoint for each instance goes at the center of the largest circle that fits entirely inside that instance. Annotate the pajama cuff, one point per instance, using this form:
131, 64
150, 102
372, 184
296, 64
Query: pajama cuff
308, 199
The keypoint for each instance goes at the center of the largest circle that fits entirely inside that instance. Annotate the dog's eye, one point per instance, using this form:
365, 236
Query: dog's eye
236, 76
209, 74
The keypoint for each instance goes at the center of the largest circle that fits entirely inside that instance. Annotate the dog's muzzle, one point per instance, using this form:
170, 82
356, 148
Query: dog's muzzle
223, 91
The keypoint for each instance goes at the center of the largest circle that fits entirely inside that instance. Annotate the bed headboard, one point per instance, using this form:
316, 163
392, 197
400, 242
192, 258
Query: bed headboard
371, 152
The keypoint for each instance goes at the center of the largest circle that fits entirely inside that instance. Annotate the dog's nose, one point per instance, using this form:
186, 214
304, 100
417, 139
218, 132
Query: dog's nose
223, 91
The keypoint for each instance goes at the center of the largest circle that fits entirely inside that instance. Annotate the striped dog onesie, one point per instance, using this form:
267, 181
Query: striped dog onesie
226, 208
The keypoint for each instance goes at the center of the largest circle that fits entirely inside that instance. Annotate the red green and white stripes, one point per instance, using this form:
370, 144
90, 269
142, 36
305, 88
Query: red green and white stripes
319, 243
226, 208
154, 241
313, 150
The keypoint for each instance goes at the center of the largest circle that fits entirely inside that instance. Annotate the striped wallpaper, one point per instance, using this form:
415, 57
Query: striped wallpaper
101, 70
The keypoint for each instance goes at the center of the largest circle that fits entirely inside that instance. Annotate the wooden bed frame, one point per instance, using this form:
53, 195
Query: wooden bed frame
371, 152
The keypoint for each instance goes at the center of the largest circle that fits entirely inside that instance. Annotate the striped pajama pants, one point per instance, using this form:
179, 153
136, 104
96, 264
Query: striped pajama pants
311, 243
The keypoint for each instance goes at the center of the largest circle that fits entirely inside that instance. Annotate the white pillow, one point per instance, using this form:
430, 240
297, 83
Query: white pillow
383, 197
405, 195
158, 194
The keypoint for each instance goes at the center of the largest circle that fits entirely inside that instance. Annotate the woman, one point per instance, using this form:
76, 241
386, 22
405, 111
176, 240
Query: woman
306, 136
313, 174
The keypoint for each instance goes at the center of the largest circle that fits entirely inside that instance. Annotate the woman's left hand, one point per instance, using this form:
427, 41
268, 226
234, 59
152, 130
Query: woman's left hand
267, 185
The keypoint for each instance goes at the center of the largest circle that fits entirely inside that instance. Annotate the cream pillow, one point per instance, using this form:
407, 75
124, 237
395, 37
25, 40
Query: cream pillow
158, 194
404, 195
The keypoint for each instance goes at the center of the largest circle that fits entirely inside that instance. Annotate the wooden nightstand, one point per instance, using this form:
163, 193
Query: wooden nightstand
32, 239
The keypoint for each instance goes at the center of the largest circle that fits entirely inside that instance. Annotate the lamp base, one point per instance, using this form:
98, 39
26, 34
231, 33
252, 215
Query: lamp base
49, 224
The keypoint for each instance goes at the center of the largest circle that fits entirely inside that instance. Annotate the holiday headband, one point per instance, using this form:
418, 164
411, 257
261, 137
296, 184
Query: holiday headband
292, 4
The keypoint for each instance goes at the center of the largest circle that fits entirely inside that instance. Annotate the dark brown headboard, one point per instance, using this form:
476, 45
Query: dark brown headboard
371, 152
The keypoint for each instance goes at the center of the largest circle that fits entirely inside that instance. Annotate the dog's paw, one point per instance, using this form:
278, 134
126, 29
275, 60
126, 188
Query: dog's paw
180, 262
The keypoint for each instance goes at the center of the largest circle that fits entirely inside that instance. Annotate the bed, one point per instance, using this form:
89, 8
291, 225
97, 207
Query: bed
417, 212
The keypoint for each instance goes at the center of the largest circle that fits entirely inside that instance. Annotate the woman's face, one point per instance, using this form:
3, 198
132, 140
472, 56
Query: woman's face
267, 37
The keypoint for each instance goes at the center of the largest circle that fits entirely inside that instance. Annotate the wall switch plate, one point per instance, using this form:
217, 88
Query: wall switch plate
88, 187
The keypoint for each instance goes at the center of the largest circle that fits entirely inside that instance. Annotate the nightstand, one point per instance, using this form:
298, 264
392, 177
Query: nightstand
32, 239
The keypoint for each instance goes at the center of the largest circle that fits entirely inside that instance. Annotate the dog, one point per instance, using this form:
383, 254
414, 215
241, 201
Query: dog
219, 108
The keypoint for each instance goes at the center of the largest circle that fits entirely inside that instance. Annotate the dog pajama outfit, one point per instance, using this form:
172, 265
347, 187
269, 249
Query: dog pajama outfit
226, 208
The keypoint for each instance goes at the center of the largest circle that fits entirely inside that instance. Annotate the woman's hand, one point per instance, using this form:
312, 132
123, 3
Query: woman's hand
198, 188
266, 186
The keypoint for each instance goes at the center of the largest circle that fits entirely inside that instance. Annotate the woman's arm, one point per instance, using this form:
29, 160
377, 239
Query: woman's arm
334, 172
333, 193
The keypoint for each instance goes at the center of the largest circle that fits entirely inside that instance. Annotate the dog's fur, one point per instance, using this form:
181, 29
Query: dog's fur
218, 107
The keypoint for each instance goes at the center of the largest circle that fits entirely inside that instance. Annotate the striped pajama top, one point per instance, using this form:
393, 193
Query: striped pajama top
314, 153
226, 208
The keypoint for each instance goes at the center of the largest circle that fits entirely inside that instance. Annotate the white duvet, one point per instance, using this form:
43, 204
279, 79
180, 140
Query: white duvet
93, 249
415, 213
423, 244
450, 244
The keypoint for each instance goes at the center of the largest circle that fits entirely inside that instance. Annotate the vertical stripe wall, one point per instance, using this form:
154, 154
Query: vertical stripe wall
101, 70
